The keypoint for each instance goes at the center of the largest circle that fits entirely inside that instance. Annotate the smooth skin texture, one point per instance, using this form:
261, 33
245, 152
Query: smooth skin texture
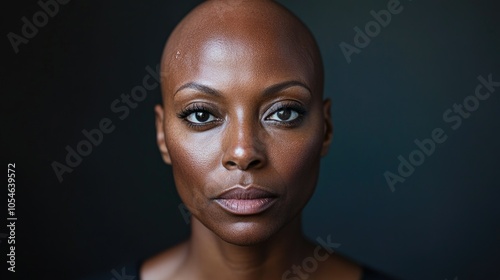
242, 85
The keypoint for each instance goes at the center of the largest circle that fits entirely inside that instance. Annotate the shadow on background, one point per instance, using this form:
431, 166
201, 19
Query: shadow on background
437, 218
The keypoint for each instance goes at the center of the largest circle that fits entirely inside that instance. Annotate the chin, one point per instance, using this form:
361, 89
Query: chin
246, 230
245, 233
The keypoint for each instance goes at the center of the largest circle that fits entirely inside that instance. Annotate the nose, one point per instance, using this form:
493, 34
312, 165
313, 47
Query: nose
244, 148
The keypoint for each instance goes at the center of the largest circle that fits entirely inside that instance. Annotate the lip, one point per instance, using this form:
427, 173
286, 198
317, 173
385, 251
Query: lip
249, 200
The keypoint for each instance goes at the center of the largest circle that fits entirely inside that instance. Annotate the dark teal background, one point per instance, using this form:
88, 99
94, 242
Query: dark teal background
120, 205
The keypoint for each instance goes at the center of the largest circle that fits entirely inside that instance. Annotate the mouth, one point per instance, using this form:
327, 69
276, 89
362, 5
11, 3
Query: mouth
249, 200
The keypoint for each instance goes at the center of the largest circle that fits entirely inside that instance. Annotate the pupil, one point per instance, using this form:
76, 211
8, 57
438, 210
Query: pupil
284, 114
202, 116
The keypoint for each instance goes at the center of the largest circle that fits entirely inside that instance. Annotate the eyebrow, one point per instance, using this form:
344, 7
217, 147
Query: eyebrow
199, 87
267, 91
282, 86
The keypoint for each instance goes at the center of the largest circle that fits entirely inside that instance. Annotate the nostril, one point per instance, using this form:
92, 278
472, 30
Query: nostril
253, 164
233, 164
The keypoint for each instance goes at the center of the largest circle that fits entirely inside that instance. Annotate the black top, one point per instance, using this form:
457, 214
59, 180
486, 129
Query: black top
131, 272
370, 274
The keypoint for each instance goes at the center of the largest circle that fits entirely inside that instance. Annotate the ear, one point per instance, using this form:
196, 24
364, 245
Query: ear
328, 127
160, 134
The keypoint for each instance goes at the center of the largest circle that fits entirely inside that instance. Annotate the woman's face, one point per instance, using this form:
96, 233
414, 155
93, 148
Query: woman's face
243, 125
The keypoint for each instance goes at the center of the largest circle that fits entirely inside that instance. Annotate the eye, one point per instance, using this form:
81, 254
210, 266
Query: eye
200, 117
284, 115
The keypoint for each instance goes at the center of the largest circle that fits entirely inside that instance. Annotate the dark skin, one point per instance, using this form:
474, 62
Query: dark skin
242, 85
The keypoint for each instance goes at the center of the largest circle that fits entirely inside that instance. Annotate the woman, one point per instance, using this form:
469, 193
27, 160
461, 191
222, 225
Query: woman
244, 125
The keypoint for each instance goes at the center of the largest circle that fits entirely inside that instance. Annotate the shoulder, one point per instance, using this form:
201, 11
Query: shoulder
165, 264
339, 267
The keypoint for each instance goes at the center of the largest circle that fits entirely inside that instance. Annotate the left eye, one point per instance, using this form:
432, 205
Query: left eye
200, 117
284, 115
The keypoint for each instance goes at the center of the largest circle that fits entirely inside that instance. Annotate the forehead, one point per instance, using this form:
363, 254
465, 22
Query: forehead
226, 61
238, 48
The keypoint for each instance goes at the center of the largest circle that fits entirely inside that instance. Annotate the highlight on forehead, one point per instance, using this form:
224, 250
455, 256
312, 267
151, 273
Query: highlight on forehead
249, 20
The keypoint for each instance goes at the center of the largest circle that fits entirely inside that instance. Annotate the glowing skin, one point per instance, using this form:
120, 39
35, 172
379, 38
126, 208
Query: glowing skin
244, 126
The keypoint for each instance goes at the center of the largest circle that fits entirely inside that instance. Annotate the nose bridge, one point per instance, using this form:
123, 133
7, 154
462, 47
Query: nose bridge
243, 146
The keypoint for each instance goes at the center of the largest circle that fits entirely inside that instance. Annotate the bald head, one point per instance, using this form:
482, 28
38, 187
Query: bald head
255, 34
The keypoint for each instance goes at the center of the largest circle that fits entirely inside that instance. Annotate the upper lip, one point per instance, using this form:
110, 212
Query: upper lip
245, 192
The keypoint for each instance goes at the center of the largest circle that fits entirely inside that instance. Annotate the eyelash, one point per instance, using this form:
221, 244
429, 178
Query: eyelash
194, 109
291, 106
282, 106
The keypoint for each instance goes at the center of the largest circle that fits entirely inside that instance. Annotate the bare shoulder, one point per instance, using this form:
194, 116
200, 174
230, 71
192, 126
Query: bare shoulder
165, 264
339, 267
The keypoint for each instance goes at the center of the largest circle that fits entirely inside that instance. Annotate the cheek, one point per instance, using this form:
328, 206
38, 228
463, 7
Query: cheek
297, 162
193, 156
302, 166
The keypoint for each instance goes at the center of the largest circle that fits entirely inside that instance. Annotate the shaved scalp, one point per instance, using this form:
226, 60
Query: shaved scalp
253, 22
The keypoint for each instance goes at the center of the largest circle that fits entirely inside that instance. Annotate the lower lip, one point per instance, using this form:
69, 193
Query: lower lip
246, 206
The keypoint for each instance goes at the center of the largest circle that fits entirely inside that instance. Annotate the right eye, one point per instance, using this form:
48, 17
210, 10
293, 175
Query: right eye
200, 117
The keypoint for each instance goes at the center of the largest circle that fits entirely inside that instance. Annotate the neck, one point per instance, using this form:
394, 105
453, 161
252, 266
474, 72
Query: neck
216, 259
